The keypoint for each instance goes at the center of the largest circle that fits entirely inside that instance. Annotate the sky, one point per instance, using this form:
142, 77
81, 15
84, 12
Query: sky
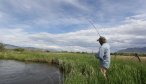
63, 25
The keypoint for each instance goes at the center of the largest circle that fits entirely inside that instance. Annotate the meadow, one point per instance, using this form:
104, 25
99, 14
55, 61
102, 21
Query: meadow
83, 68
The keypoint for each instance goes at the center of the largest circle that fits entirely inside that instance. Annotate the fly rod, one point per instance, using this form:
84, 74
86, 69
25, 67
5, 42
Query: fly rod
93, 27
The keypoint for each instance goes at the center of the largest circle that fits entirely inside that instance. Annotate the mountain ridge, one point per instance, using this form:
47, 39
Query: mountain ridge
133, 50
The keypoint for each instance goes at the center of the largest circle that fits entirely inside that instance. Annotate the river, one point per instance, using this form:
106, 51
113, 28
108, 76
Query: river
15, 72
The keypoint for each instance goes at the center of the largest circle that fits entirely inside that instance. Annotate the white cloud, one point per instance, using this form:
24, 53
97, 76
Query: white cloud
36, 13
130, 33
76, 3
122, 36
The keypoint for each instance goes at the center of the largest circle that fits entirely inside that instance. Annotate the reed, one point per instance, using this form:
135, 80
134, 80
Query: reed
84, 69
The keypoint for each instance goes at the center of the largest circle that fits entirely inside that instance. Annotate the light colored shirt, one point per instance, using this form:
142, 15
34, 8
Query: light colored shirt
104, 55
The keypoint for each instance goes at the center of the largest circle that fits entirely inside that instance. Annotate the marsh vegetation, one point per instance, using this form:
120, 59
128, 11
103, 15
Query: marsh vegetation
83, 68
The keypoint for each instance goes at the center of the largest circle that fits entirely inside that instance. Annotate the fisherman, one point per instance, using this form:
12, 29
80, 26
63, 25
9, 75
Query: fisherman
104, 56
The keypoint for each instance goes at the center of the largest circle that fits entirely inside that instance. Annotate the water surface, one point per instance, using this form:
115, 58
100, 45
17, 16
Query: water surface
14, 72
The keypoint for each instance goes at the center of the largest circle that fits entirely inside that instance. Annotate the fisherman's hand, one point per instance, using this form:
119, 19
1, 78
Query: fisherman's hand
96, 55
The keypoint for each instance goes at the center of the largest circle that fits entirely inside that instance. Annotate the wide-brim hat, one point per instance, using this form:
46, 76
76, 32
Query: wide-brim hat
101, 38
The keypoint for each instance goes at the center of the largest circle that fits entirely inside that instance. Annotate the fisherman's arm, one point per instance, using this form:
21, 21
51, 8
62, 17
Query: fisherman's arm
100, 54
106, 57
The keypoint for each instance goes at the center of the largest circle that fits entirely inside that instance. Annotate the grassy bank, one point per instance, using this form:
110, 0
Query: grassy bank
83, 68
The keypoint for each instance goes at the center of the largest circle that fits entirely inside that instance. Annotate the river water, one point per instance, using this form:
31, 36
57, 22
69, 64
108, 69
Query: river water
14, 72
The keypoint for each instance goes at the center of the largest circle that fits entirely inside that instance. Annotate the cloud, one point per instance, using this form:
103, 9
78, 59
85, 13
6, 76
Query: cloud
119, 37
30, 23
75, 3
46, 14
64, 13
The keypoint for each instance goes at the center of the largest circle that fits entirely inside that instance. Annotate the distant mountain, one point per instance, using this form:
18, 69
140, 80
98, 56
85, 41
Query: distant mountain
8, 46
133, 50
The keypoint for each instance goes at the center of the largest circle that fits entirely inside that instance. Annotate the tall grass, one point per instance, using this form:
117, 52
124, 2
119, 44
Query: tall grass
84, 68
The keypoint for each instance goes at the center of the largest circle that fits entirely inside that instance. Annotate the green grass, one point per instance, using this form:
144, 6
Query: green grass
84, 68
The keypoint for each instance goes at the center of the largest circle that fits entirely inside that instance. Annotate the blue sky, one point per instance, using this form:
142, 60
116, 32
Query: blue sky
63, 25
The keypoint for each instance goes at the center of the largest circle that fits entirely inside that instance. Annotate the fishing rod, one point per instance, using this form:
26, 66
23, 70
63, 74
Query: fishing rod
91, 22
98, 34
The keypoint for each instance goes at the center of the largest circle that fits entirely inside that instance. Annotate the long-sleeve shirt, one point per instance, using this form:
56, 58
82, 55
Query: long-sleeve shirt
104, 55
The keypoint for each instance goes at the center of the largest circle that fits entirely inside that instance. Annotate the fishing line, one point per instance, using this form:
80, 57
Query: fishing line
57, 42
91, 22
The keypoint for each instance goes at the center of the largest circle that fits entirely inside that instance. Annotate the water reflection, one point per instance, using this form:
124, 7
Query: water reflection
14, 72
